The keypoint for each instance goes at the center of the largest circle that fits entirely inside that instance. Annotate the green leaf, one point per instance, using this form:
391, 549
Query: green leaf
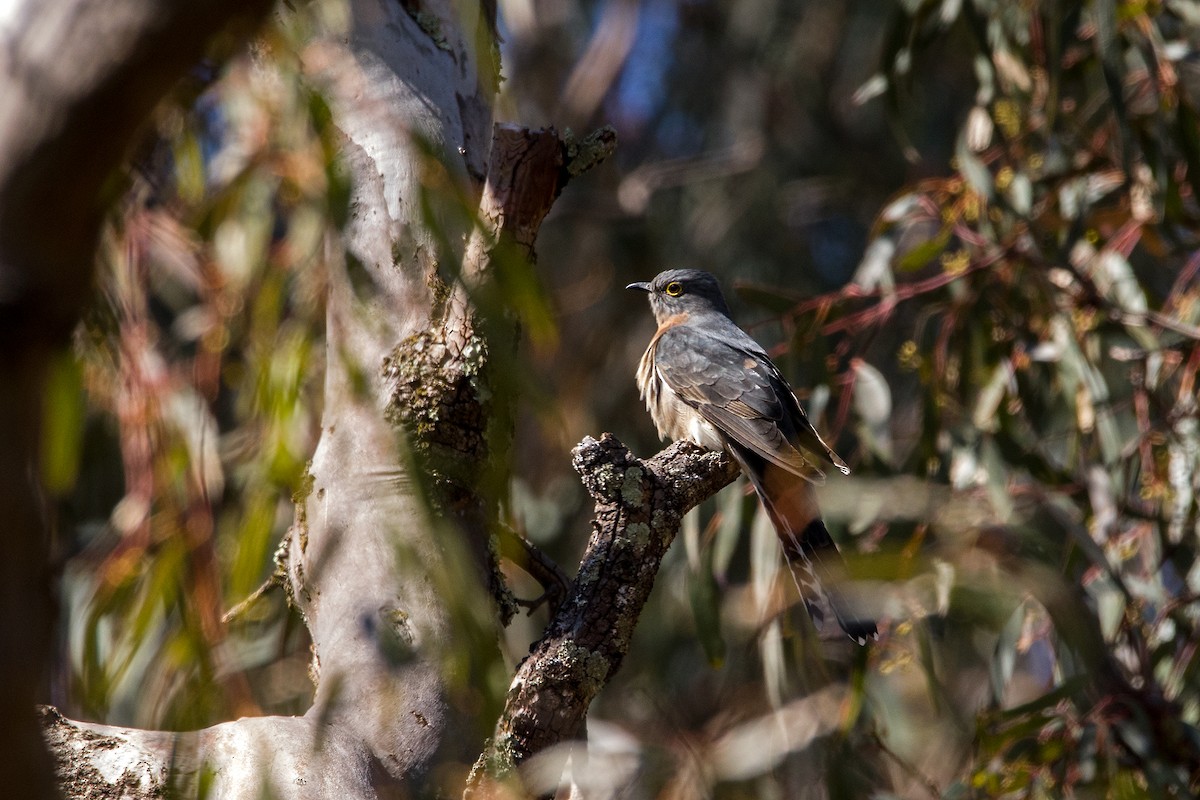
189, 168
705, 597
926, 251
63, 415
985, 415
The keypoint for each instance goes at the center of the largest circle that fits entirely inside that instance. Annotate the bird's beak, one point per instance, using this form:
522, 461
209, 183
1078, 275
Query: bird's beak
641, 286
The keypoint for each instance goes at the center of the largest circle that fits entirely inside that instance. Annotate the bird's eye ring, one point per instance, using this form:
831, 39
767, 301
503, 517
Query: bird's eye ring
674, 289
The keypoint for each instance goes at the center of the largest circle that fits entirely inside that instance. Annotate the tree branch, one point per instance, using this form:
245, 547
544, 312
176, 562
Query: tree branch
639, 506
522, 552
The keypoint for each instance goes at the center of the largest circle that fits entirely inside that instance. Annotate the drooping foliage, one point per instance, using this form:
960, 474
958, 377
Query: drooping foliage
1051, 318
202, 362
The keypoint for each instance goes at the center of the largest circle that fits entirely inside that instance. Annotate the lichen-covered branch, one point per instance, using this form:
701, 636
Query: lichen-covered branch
639, 506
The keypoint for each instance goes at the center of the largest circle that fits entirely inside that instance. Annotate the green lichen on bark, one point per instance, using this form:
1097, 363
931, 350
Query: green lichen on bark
439, 396
301, 492
433, 29
607, 481
396, 640
299, 529
595, 669
506, 601
622, 633
589, 572
631, 486
498, 761
439, 399
639, 534
583, 154
427, 22
439, 290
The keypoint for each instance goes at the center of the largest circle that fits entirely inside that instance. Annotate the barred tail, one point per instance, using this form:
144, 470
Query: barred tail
811, 552
817, 566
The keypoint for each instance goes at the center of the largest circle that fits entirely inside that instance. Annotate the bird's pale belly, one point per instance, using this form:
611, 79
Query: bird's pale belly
674, 418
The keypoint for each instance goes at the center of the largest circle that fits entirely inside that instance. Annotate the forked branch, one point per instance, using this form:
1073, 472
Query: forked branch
639, 507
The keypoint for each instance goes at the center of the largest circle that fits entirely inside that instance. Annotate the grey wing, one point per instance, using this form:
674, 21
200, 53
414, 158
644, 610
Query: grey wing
803, 430
737, 389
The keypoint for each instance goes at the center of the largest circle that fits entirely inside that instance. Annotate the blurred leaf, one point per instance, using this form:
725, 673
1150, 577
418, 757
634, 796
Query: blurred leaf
1110, 607
770, 298
1005, 659
1020, 194
732, 502
521, 292
873, 406
689, 529
774, 664
873, 87
189, 167
764, 559
974, 170
874, 271
63, 415
254, 536
925, 252
705, 596
987, 404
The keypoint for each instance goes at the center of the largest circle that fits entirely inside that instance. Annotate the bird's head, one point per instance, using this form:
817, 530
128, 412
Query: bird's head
679, 291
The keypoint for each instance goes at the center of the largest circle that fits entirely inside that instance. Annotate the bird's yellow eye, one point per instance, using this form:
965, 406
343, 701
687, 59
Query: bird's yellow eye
674, 288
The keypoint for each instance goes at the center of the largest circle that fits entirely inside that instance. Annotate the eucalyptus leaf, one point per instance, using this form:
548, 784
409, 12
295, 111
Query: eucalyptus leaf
64, 413
705, 597
1004, 658
732, 502
925, 252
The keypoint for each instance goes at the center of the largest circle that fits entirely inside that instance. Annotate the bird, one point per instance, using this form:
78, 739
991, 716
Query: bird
706, 380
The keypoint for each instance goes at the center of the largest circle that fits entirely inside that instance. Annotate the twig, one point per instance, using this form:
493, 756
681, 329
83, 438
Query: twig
274, 580
541, 567
913, 772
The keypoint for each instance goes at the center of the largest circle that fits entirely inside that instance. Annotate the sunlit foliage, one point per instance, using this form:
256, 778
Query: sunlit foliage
202, 364
1053, 330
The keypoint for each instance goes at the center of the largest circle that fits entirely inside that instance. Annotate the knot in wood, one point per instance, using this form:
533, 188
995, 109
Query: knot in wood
437, 395
611, 473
